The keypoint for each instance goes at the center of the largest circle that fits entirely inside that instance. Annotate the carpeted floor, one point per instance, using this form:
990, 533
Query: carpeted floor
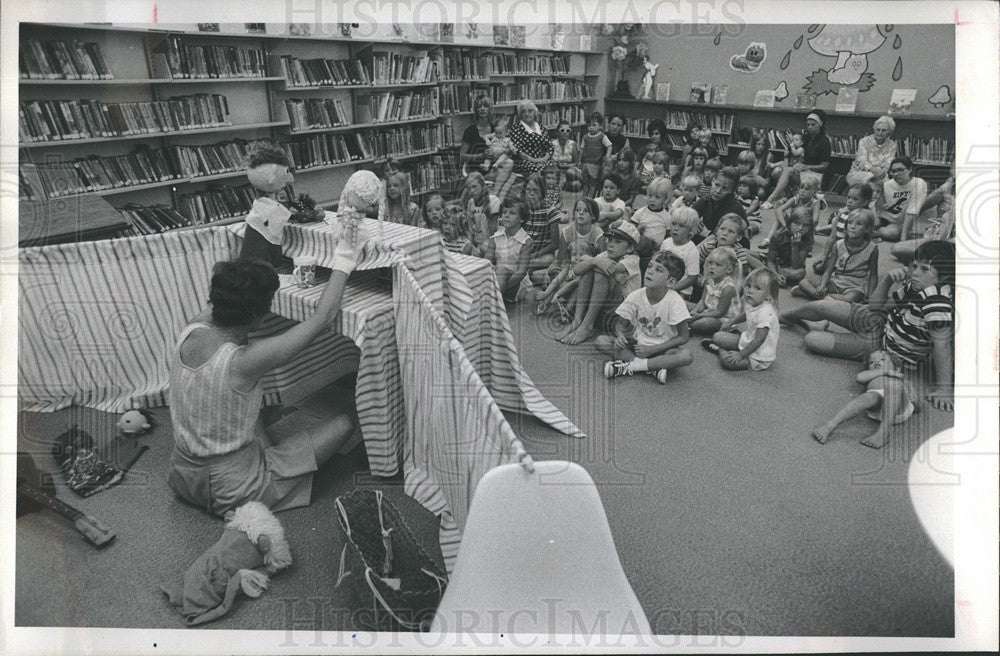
727, 516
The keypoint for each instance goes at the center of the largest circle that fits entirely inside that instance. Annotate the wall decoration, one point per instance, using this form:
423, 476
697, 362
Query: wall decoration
896, 43
751, 59
300, 29
627, 52
781, 92
647, 78
897, 70
718, 37
256, 28
786, 59
941, 97
208, 27
798, 42
901, 101
850, 44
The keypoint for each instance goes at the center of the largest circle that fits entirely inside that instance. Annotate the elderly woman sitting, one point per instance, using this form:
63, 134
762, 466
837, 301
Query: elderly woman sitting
534, 147
875, 152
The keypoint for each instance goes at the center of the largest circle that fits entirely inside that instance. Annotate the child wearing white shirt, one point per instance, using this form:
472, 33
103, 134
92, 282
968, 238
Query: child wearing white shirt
683, 224
757, 345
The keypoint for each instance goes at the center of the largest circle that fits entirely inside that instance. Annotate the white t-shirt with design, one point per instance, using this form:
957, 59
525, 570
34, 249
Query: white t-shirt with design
654, 324
653, 225
762, 316
905, 199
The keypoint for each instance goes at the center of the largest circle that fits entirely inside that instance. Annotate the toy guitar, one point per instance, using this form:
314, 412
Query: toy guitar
94, 531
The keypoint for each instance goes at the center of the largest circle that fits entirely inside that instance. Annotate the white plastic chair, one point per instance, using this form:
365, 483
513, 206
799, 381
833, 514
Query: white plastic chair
537, 557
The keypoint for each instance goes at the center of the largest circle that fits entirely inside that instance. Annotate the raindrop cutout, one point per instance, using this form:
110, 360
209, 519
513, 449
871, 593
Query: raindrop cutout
896, 43
813, 28
718, 37
888, 28
798, 42
897, 72
786, 59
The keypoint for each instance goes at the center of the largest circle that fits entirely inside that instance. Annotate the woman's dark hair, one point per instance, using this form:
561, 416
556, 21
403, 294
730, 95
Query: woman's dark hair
822, 118
904, 160
627, 155
241, 291
266, 153
657, 124
940, 255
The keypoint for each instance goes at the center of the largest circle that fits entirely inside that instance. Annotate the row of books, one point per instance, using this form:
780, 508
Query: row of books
184, 61
456, 98
394, 106
712, 121
460, 65
312, 114
573, 114
56, 120
512, 93
210, 159
94, 173
496, 63
436, 173
937, 150
408, 140
61, 60
151, 219
393, 68
322, 72
325, 149
216, 202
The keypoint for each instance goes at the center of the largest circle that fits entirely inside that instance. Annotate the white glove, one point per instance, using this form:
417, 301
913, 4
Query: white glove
350, 241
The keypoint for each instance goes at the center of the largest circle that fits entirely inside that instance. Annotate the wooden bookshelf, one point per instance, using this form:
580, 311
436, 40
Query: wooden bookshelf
255, 103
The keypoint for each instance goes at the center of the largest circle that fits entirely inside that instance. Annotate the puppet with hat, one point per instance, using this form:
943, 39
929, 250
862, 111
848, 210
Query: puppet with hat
252, 547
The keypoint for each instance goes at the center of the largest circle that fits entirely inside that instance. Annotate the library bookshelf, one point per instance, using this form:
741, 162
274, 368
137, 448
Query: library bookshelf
928, 139
157, 120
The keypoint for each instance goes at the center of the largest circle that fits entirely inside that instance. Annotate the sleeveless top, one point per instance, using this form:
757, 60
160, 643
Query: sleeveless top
581, 245
713, 293
209, 416
851, 268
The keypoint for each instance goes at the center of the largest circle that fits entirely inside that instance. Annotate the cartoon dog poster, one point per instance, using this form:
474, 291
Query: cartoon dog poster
750, 60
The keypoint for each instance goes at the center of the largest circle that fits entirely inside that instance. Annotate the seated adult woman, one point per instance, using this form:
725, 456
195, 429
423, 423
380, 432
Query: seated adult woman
899, 204
534, 147
875, 151
222, 455
472, 152
816, 157
941, 225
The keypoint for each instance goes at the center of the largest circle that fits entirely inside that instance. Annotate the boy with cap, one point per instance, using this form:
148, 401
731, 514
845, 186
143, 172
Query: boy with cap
605, 280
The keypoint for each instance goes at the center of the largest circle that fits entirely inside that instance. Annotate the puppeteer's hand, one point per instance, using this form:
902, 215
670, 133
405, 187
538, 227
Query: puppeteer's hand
350, 243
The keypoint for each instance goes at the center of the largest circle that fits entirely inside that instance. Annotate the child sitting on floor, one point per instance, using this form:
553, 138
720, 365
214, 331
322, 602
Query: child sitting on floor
612, 207
553, 191
756, 347
729, 233
746, 194
805, 196
632, 185
580, 238
650, 326
604, 281
509, 249
712, 168
851, 271
790, 247
433, 211
657, 131
455, 230
653, 220
720, 300
399, 208
858, 196
697, 166
684, 222
481, 208
886, 399
689, 192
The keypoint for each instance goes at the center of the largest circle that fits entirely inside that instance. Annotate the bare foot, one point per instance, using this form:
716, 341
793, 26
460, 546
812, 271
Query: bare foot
821, 433
821, 325
578, 336
876, 440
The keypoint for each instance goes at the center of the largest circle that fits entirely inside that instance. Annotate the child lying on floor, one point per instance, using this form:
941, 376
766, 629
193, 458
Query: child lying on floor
887, 400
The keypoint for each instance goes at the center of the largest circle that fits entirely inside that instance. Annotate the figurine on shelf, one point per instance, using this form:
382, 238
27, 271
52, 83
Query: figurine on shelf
647, 79
269, 171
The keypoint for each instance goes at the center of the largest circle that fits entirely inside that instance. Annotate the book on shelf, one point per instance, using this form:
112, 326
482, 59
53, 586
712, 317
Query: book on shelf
701, 93
173, 59
557, 35
720, 92
847, 99
501, 35
805, 100
901, 101
663, 91
586, 42
764, 98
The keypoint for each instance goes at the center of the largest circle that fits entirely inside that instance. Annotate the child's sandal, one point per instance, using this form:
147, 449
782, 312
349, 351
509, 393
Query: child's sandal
541, 308
565, 316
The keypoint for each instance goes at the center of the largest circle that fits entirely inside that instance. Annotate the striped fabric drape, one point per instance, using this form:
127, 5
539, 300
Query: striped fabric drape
456, 432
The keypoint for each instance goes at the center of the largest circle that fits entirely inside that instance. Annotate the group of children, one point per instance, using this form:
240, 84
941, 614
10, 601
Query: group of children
642, 251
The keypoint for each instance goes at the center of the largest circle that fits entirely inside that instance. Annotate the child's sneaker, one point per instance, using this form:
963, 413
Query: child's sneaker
616, 368
710, 346
660, 375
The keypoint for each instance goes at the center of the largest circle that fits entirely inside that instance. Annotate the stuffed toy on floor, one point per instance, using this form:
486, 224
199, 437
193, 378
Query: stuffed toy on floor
252, 547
